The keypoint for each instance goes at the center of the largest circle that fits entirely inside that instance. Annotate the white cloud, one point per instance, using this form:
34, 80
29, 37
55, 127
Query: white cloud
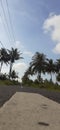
18, 44
0, 21
57, 49
29, 53
52, 25
5, 69
20, 68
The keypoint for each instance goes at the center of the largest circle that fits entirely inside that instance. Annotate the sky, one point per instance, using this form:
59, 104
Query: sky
35, 27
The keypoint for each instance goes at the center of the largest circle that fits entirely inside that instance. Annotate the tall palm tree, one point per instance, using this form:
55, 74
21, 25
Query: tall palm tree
14, 55
58, 66
38, 64
50, 67
58, 77
3, 57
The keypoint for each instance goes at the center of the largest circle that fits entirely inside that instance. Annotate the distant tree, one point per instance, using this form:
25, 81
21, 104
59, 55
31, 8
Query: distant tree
36, 81
3, 76
14, 75
25, 79
28, 72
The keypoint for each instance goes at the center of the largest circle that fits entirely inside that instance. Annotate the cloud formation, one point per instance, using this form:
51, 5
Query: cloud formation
18, 45
20, 69
52, 25
29, 53
57, 49
19, 66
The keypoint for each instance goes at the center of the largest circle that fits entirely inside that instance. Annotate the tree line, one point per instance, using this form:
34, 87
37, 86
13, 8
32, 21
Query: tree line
38, 65
41, 64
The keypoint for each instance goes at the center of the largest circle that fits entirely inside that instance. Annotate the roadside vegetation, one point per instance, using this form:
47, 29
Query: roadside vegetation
9, 57
41, 64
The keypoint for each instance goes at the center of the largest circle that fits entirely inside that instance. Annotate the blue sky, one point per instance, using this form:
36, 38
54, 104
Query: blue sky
35, 27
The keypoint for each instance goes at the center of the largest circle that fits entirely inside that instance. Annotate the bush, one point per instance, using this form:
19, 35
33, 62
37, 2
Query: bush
3, 77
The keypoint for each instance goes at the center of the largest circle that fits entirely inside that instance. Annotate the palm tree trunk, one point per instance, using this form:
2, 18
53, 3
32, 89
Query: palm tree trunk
39, 77
51, 77
1, 67
10, 69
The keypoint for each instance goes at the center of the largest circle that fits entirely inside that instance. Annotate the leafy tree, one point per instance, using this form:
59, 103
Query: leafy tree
28, 72
3, 76
25, 79
14, 75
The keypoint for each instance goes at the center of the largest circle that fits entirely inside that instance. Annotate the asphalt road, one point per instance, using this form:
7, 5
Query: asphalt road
6, 92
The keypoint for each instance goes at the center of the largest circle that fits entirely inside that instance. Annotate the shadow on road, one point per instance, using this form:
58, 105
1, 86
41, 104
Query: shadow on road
43, 124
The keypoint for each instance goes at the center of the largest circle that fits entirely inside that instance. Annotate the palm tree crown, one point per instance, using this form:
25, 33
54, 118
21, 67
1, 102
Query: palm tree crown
3, 57
14, 55
38, 63
58, 65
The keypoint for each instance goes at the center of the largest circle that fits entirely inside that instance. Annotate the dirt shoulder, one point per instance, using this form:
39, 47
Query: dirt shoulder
30, 111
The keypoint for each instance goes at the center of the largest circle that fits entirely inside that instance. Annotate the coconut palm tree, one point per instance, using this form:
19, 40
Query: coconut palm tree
38, 64
50, 67
58, 77
3, 57
57, 66
14, 55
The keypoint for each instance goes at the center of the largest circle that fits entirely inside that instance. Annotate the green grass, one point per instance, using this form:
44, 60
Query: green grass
46, 85
51, 86
9, 82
